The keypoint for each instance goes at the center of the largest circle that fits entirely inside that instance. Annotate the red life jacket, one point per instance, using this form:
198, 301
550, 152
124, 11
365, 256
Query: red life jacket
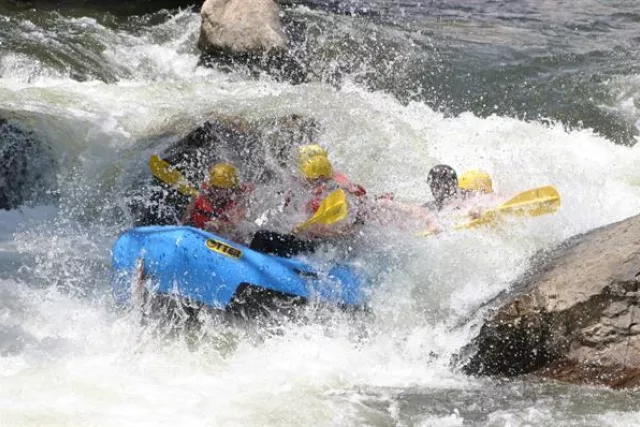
208, 207
319, 193
344, 183
359, 203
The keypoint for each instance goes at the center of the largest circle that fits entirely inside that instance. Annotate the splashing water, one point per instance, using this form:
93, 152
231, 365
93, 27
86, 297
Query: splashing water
68, 357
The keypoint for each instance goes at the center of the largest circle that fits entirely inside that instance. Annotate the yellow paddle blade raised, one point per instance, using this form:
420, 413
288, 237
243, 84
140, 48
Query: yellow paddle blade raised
534, 195
535, 202
333, 208
165, 173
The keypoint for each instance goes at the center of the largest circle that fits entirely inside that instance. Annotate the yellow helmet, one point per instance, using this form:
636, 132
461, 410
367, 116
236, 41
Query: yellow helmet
476, 180
310, 150
316, 167
223, 175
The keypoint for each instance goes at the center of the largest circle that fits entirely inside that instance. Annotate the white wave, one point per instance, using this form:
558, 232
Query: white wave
626, 97
618, 419
453, 420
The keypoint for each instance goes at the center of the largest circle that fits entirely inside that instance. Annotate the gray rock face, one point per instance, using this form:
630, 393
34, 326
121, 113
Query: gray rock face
251, 34
27, 168
241, 26
576, 318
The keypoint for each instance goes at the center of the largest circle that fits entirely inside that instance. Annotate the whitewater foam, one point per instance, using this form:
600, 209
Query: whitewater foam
83, 362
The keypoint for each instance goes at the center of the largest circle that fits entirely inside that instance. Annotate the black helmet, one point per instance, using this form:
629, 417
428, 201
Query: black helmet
443, 181
442, 174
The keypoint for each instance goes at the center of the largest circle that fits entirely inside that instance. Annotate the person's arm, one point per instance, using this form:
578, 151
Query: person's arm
475, 212
405, 210
213, 226
229, 221
189, 210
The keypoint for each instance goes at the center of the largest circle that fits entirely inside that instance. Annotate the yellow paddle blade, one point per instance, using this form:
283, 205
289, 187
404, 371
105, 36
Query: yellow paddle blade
535, 202
165, 173
539, 201
333, 208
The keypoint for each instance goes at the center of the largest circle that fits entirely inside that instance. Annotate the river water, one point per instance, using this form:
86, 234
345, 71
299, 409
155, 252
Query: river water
535, 92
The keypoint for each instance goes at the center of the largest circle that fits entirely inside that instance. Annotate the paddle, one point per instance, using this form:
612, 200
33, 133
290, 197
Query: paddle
333, 208
535, 202
165, 173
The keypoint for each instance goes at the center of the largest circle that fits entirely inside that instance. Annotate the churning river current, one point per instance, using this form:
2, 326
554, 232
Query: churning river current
535, 92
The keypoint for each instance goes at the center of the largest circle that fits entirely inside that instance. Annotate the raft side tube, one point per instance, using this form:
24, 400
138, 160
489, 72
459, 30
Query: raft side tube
201, 267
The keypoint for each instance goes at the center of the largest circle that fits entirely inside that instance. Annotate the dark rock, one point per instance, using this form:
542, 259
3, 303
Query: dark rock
27, 168
575, 318
597, 375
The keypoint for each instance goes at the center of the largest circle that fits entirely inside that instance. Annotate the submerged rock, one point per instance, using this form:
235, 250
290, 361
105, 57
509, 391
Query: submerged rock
576, 318
261, 149
251, 33
27, 168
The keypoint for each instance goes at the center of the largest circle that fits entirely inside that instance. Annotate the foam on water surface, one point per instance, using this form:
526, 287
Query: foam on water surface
69, 358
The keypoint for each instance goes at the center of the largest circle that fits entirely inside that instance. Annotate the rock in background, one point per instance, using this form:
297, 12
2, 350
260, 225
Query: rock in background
251, 33
27, 168
576, 318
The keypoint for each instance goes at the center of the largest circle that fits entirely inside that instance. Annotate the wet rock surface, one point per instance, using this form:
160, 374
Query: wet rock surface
253, 34
575, 318
27, 168
241, 26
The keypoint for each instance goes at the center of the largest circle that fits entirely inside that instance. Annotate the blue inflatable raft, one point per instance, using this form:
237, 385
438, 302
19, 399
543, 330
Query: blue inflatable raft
202, 268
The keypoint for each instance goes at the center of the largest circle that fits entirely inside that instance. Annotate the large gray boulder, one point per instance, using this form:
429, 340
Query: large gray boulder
576, 318
250, 33
241, 26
